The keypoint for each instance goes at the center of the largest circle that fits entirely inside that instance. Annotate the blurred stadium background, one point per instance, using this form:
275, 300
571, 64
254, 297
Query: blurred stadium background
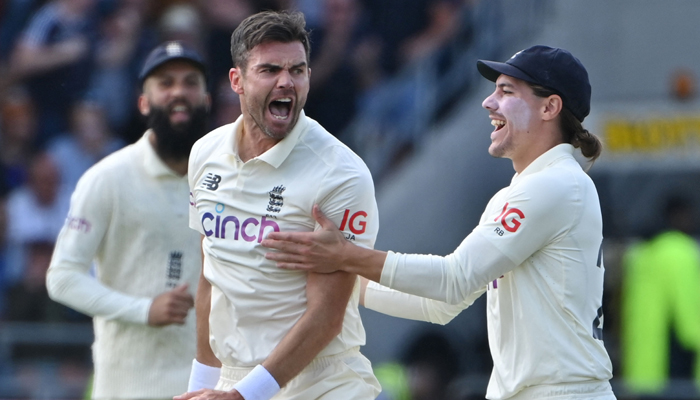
397, 82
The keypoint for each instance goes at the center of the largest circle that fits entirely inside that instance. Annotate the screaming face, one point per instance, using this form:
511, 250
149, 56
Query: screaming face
273, 88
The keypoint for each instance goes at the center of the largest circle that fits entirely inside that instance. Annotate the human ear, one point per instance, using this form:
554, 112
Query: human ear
235, 76
143, 105
552, 107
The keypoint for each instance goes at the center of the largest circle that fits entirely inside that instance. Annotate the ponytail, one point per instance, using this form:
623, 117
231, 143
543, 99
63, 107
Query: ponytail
572, 130
578, 136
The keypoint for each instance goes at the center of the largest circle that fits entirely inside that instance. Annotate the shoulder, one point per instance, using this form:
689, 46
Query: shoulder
114, 167
331, 152
210, 142
562, 182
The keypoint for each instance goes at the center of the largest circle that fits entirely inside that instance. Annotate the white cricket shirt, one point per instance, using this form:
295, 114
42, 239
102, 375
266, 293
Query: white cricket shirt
234, 205
536, 252
129, 214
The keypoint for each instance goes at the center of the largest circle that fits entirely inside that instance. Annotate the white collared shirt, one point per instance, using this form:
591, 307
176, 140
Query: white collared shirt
536, 252
129, 214
235, 204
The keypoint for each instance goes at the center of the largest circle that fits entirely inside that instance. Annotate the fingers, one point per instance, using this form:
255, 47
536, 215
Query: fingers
293, 237
285, 256
294, 266
170, 308
283, 246
321, 218
181, 297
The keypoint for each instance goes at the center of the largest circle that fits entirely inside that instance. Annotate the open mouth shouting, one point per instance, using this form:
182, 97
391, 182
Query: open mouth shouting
281, 108
180, 112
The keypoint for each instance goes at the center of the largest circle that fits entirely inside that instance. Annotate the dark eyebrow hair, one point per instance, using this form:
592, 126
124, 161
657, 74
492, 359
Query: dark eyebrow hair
275, 66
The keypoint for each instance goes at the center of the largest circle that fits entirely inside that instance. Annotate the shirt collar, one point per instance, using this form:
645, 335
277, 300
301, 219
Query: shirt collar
564, 150
276, 155
152, 163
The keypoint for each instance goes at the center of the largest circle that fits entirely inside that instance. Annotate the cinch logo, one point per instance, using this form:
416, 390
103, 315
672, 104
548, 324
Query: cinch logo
510, 224
211, 182
222, 223
78, 224
356, 227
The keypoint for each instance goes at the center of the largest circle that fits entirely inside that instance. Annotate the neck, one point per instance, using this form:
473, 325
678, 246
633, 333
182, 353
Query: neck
253, 141
538, 146
179, 166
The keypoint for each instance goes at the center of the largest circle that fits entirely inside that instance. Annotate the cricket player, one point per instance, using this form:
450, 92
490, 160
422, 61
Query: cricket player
286, 335
536, 251
128, 215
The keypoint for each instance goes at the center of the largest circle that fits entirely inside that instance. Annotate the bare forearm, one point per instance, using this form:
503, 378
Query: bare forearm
202, 305
362, 261
327, 299
299, 347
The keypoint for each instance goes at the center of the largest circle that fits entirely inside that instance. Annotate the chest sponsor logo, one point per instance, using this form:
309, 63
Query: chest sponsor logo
276, 200
510, 219
211, 181
225, 226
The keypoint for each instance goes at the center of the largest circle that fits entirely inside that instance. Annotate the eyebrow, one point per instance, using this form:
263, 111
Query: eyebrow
502, 85
275, 66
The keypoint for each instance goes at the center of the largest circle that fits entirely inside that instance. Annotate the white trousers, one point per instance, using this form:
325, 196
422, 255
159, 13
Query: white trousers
588, 390
347, 375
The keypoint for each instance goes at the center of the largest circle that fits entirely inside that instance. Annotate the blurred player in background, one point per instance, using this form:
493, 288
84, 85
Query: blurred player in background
128, 214
536, 251
276, 334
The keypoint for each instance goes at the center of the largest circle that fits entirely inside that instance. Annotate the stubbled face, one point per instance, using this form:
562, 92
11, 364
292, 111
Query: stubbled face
273, 88
511, 108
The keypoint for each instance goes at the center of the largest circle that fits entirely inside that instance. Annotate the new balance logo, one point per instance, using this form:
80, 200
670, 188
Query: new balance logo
211, 182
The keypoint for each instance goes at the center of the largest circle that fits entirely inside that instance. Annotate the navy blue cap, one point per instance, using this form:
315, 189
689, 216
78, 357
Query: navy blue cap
167, 52
551, 67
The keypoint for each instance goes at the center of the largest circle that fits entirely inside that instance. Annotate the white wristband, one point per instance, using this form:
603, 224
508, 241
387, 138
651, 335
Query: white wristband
202, 376
257, 385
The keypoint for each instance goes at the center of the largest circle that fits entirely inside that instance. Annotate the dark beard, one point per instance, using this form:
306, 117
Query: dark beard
175, 141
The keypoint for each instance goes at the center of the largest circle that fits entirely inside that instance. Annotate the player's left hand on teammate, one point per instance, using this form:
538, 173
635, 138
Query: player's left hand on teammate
209, 394
319, 251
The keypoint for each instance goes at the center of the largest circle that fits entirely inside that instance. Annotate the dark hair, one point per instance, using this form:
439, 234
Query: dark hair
571, 128
264, 27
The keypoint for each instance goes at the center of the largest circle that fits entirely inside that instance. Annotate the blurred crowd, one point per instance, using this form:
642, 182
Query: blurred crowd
68, 89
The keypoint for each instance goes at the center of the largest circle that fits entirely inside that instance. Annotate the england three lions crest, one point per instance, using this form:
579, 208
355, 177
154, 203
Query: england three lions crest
276, 199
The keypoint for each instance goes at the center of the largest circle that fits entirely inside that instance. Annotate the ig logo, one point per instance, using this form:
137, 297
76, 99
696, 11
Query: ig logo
508, 220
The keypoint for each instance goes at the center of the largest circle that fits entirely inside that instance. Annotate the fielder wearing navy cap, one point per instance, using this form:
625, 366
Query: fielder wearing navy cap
170, 51
550, 67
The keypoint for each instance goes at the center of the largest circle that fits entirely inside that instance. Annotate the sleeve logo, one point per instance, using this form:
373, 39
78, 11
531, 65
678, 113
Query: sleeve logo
509, 219
212, 181
356, 223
